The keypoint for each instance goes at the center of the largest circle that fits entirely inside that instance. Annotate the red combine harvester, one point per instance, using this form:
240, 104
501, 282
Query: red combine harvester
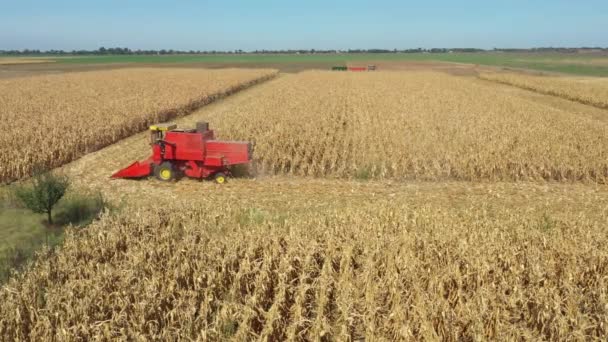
191, 152
357, 68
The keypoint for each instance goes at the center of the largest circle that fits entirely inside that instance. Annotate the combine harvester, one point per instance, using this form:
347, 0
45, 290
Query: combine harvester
191, 152
353, 68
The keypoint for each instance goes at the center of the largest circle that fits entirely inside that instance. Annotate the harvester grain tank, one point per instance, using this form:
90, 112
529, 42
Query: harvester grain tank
191, 152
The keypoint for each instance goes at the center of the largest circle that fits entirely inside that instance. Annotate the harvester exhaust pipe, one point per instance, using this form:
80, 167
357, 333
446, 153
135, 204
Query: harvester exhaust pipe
202, 127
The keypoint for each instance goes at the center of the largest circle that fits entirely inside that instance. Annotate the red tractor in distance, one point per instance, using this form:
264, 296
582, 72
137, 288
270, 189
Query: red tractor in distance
191, 152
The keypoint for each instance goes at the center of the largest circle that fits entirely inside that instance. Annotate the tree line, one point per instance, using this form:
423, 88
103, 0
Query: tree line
127, 51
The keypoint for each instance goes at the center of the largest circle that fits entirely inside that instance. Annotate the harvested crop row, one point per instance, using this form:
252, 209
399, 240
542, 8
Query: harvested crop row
591, 91
52, 120
400, 125
386, 269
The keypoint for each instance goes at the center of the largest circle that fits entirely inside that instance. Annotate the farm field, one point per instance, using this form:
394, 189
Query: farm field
382, 206
284, 258
59, 118
591, 91
593, 64
578, 64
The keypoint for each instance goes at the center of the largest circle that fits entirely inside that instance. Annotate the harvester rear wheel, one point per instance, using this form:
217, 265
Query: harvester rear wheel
220, 178
164, 172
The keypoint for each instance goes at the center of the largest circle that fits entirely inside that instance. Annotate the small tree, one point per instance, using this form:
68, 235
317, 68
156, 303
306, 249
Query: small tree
47, 189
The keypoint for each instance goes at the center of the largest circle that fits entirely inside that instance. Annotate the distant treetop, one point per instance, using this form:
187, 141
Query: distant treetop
127, 51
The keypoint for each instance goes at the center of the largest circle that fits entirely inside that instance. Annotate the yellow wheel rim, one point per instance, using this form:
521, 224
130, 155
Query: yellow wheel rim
165, 174
220, 179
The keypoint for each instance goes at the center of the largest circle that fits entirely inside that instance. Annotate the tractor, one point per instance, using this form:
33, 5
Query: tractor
191, 152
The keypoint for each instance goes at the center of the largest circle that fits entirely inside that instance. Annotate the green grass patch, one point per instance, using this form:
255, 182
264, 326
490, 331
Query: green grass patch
79, 209
23, 233
20, 226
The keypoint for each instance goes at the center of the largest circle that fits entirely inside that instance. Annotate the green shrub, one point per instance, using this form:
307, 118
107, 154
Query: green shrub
44, 192
80, 209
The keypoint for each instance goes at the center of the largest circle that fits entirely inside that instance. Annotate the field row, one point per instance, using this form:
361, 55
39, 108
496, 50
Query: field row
51, 120
591, 91
392, 268
428, 126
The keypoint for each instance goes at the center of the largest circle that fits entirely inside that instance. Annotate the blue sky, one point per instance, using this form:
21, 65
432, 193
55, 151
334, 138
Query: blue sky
274, 24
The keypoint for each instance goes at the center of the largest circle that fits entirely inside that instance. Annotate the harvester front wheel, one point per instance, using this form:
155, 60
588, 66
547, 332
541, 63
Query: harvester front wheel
164, 172
220, 178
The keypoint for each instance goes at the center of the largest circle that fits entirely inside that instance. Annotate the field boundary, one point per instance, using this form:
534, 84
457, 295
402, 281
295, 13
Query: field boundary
546, 92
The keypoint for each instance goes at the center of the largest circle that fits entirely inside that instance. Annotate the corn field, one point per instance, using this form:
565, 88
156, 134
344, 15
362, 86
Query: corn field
427, 126
51, 120
591, 91
477, 222
327, 265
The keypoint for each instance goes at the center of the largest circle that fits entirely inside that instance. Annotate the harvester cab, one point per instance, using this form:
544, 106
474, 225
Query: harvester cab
191, 152
158, 131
